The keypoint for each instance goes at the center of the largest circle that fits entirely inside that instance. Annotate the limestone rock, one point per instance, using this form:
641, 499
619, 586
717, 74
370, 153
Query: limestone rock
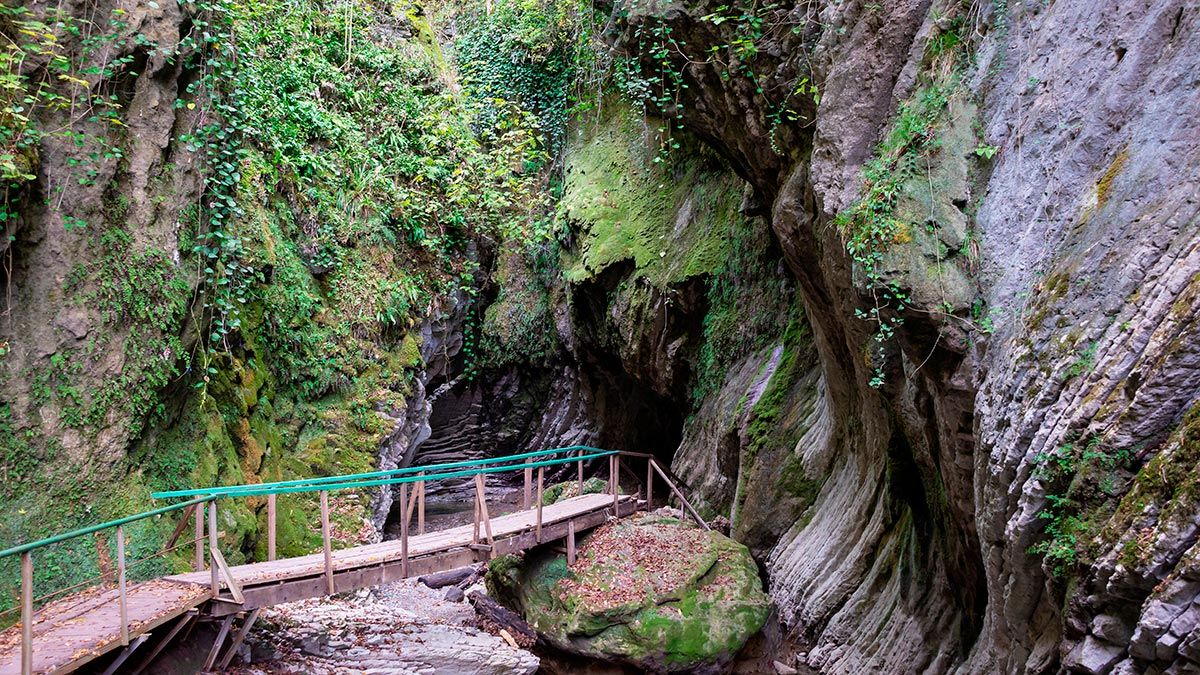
651, 592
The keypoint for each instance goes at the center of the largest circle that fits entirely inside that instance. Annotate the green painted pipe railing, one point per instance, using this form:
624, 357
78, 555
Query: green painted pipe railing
389, 477
252, 490
206, 499
24, 548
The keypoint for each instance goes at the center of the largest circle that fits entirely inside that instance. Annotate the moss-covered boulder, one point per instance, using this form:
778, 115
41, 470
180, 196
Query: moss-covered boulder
565, 490
653, 592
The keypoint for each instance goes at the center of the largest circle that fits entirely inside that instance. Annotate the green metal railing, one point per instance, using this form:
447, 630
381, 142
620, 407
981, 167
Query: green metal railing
26, 552
24, 548
410, 474
204, 502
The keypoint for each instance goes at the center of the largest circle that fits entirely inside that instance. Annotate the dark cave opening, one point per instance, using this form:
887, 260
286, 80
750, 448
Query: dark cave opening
525, 408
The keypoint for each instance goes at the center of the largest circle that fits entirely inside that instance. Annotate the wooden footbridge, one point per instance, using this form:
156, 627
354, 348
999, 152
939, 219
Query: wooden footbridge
116, 626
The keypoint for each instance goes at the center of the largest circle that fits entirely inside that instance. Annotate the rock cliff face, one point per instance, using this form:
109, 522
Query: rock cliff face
199, 288
912, 299
1041, 263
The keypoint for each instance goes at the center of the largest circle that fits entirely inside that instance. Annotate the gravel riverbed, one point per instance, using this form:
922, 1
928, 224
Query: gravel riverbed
399, 628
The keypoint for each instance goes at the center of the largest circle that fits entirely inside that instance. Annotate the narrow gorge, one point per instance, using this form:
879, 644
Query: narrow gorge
904, 296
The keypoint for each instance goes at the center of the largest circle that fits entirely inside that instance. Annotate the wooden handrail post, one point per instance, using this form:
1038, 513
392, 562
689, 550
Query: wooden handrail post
409, 502
682, 500
616, 484
122, 601
212, 546
326, 546
26, 613
421, 505
649, 485
199, 562
475, 520
528, 482
541, 478
480, 489
271, 526
404, 533
571, 542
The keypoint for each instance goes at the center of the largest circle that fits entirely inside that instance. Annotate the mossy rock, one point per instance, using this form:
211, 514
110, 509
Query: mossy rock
560, 491
651, 592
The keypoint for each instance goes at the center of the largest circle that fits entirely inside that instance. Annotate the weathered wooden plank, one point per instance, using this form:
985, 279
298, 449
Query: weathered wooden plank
213, 545
162, 644
183, 523
483, 509
679, 494
235, 589
247, 624
271, 527
220, 640
325, 543
525, 500
540, 499
404, 533
198, 564
649, 484
26, 613
571, 542
421, 506
614, 481
122, 600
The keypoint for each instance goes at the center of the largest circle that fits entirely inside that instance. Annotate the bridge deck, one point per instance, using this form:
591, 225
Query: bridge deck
255, 574
65, 639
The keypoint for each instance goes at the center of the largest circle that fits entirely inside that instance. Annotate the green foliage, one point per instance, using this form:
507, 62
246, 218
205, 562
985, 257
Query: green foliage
49, 66
227, 277
870, 227
749, 300
628, 205
986, 151
1082, 475
651, 78
525, 63
143, 290
651, 74
518, 325
1084, 362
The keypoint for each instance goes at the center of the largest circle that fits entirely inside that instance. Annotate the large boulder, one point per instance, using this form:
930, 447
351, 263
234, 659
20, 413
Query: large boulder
650, 591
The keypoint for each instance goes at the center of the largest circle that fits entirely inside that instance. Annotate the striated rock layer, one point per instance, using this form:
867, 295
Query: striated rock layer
1029, 444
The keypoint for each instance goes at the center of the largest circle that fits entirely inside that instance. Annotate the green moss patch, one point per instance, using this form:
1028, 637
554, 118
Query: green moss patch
650, 591
565, 490
673, 219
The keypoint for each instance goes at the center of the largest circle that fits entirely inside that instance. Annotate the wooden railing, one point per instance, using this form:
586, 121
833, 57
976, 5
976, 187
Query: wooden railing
200, 508
25, 551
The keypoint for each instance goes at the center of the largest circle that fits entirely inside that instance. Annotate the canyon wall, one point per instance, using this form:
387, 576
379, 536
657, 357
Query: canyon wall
1014, 494
907, 291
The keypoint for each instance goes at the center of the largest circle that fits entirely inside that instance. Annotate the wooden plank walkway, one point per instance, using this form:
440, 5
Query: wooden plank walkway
255, 574
80, 628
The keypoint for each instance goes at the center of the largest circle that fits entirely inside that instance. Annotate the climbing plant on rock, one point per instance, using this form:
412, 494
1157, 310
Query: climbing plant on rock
227, 278
869, 226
